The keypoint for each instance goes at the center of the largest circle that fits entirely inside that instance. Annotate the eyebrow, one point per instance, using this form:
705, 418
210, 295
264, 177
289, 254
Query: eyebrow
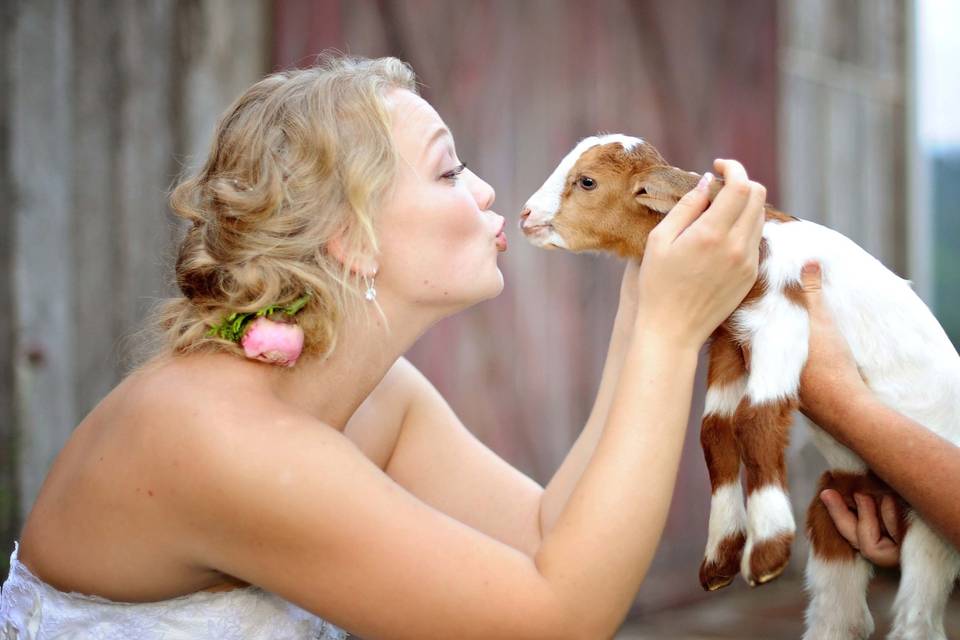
438, 133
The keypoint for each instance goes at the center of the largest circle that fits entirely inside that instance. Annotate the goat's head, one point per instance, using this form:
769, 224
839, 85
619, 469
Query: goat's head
606, 195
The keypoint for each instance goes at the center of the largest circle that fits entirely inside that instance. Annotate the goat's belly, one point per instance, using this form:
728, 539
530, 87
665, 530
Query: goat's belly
838, 457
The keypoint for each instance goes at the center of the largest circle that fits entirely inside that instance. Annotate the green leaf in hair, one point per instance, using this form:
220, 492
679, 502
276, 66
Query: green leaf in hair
234, 325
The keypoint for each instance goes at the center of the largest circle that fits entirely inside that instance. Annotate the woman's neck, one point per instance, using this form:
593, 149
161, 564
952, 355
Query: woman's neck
332, 389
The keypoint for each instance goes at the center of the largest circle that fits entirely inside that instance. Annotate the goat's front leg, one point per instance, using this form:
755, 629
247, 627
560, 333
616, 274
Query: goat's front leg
762, 433
777, 330
726, 381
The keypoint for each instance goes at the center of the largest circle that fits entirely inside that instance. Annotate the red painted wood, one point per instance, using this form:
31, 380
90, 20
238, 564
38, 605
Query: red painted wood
519, 83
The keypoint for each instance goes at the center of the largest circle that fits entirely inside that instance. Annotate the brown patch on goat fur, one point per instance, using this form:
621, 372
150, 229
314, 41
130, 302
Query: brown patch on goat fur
794, 293
599, 224
775, 214
768, 558
717, 575
719, 450
727, 363
717, 436
827, 542
762, 433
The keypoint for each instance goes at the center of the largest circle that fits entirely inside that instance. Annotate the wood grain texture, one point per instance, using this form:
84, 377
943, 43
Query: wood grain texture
104, 101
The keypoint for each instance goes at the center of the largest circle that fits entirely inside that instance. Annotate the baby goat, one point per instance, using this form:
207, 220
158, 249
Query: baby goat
606, 195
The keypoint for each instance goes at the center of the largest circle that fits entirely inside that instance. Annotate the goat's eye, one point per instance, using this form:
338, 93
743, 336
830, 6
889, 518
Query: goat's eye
587, 183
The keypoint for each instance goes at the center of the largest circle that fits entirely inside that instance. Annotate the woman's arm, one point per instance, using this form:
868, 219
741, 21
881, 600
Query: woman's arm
561, 485
917, 463
298, 510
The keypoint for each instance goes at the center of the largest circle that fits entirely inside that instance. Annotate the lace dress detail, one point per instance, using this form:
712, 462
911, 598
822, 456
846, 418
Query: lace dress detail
31, 609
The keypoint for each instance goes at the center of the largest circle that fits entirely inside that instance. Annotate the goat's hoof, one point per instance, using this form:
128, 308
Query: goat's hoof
767, 559
714, 583
720, 573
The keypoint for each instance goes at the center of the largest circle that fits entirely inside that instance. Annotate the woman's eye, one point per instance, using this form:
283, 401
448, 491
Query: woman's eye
587, 183
453, 173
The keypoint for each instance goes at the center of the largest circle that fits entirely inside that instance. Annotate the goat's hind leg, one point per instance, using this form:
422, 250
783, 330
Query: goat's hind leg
837, 576
928, 568
726, 380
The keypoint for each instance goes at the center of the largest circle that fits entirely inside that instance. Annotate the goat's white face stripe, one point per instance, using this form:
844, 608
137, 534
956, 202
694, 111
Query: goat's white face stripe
545, 202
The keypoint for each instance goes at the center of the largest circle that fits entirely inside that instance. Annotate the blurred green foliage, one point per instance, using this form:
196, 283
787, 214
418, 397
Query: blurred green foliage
946, 244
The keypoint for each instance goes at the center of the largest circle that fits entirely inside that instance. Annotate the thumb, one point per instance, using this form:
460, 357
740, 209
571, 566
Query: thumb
812, 282
688, 208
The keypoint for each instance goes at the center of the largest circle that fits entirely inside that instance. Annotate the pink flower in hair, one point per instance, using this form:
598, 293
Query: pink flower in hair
274, 342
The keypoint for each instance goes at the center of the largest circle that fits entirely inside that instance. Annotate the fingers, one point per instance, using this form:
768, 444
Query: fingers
862, 528
750, 222
843, 519
874, 545
868, 525
732, 200
891, 517
810, 277
750, 225
687, 209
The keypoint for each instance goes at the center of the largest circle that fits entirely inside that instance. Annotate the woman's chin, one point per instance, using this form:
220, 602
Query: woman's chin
498, 288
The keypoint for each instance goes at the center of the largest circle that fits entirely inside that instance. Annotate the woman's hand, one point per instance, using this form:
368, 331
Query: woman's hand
699, 265
830, 377
877, 538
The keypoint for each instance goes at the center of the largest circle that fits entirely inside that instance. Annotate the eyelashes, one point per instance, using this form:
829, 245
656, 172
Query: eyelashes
453, 173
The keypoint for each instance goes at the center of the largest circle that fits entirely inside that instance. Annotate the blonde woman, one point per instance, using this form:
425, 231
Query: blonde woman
218, 492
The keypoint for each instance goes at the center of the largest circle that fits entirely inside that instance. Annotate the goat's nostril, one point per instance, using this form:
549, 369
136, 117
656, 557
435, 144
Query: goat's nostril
523, 216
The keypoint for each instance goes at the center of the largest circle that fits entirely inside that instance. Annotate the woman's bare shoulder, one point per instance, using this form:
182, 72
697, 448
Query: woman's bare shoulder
205, 389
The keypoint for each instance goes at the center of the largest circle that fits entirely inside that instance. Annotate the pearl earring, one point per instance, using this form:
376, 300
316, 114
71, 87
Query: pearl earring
371, 293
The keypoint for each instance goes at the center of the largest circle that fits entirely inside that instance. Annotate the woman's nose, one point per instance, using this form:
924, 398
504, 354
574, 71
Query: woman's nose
484, 193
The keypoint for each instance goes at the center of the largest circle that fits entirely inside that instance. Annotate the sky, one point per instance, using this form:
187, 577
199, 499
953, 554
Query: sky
938, 72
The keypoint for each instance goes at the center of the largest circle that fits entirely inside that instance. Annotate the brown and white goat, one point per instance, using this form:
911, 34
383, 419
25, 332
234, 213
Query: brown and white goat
606, 195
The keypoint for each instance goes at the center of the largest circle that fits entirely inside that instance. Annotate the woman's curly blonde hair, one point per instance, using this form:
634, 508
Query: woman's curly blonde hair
302, 156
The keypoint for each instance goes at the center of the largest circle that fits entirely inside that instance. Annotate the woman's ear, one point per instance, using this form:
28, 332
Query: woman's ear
359, 265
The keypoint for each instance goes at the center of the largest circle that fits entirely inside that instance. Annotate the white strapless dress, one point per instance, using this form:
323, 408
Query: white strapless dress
31, 609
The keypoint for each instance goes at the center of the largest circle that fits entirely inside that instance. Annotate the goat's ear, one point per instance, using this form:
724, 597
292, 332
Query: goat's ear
659, 188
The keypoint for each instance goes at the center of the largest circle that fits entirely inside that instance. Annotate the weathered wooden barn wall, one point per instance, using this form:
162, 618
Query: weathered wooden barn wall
519, 83
843, 136
103, 102
9, 482
842, 151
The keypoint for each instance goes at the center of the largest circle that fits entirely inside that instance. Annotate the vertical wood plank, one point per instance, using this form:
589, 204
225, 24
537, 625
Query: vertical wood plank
97, 91
40, 147
95, 118
141, 164
9, 478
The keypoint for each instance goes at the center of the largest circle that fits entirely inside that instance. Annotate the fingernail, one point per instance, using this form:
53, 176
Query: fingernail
811, 268
705, 180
